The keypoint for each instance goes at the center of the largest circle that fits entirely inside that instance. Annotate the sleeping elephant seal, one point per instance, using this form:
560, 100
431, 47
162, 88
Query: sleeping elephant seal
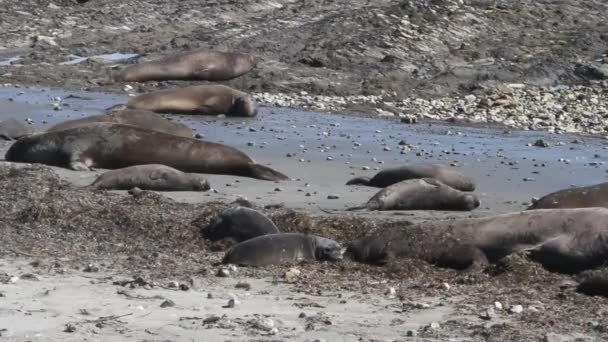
114, 146
562, 240
138, 118
420, 194
154, 177
11, 129
580, 197
394, 175
283, 248
208, 99
240, 224
195, 65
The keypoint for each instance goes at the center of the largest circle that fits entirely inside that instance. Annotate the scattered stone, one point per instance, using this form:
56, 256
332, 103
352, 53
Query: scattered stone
292, 275
516, 309
541, 143
222, 272
391, 292
445, 286
488, 314
232, 302
243, 285
411, 333
432, 326
91, 268
333, 197
69, 328
167, 303
498, 305
173, 285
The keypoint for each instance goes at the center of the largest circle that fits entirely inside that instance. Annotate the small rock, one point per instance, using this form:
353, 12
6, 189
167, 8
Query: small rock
232, 302
391, 292
222, 272
498, 305
541, 143
411, 333
243, 285
265, 324
167, 304
488, 314
199, 136
173, 285
292, 275
433, 326
184, 287
409, 120
516, 309
445, 286
13, 279
91, 268
333, 197
69, 328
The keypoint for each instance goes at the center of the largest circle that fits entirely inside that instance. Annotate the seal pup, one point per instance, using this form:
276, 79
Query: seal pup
208, 99
11, 129
240, 224
140, 118
579, 197
394, 175
562, 240
113, 146
194, 65
420, 194
154, 177
283, 249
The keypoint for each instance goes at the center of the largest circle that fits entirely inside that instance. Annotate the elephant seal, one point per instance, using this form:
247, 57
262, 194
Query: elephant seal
113, 146
283, 248
394, 175
140, 118
562, 240
195, 65
240, 224
208, 99
580, 197
11, 129
154, 177
420, 194
594, 285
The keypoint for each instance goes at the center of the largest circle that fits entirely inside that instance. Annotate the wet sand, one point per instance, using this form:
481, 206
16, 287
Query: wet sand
320, 152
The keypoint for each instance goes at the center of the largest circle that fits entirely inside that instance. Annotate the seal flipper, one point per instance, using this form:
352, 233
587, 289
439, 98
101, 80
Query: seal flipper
265, 173
359, 181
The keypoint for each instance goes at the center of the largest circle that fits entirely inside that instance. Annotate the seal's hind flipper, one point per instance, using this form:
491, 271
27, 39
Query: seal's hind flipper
265, 173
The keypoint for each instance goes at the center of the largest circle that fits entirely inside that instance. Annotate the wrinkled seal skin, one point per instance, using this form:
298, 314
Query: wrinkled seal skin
199, 64
240, 224
394, 175
139, 118
208, 99
562, 240
154, 177
580, 197
114, 146
11, 129
289, 248
420, 194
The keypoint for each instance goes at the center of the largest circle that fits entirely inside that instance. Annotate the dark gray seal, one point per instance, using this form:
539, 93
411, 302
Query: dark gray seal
594, 285
283, 249
562, 240
240, 224
139, 118
580, 197
154, 177
114, 146
420, 194
11, 129
208, 99
394, 175
199, 64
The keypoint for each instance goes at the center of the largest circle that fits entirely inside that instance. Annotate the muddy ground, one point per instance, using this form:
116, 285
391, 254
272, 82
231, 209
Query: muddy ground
66, 254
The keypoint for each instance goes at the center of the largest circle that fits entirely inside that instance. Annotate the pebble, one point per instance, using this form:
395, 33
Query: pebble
498, 305
333, 197
516, 309
292, 275
233, 302
167, 303
445, 286
222, 272
391, 292
433, 326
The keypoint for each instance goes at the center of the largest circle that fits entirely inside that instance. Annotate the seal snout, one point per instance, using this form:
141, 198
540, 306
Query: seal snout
471, 202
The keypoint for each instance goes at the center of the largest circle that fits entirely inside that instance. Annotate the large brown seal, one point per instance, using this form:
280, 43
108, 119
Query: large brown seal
199, 64
580, 197
208, 99
11, 129
563, 240
154, 177
420, 194
283, 249
394, 175
113, 146
140, 118
240, 224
